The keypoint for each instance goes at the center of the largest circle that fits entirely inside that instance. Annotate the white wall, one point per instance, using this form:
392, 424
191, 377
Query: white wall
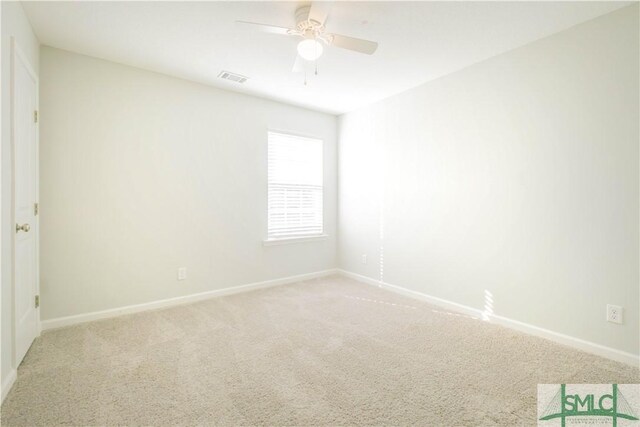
14, 23
141, 173
518, 175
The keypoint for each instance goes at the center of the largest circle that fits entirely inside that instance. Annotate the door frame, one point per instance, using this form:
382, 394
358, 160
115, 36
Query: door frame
18, 54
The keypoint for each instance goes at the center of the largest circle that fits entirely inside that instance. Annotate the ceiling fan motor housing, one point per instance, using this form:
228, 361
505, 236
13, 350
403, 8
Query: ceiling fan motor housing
308, 28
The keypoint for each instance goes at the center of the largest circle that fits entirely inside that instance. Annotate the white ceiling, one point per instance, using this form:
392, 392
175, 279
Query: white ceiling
418, 41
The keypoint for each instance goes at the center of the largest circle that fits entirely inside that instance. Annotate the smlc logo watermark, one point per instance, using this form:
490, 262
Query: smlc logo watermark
563, 405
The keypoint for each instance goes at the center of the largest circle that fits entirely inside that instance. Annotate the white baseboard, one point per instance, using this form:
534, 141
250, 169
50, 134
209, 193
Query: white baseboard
577, 343
587, 346
8, 383
114, 312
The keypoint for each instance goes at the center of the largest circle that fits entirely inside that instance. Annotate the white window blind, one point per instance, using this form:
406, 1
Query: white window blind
295, 186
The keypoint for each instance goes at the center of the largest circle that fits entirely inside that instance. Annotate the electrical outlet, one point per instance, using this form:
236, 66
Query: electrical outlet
182, 273
614, 313
364, 258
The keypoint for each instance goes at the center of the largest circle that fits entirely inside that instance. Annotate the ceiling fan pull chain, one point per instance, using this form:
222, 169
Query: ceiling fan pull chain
305, 77
316, 67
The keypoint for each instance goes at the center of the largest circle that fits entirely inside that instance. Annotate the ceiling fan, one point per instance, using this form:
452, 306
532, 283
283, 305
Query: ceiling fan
310, 21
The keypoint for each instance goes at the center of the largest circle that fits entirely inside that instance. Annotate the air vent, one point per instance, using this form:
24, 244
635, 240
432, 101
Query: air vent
233, 77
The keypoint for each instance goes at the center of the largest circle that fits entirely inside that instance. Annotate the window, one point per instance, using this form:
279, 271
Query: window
295, 187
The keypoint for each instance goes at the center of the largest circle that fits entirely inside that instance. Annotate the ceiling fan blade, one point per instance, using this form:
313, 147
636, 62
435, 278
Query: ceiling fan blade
319, 11
298, 66
352, 43
265, 28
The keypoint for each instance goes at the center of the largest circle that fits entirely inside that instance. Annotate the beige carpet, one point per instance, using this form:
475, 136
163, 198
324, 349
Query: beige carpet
325, 352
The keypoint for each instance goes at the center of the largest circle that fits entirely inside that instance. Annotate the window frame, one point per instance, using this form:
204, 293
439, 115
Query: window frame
297, 239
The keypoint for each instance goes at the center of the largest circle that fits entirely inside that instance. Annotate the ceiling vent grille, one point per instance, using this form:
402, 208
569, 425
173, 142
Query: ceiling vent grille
233, 77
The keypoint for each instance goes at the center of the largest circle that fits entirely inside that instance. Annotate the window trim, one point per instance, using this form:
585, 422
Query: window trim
295, 133
298, 239
290, 240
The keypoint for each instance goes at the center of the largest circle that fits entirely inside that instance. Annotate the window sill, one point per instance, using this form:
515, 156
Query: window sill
276, 242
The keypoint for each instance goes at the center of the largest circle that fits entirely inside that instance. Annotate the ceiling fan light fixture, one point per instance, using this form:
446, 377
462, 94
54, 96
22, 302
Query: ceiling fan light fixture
310, 49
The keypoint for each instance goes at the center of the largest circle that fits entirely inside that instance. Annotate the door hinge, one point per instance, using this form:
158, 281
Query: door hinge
35, 116
37, 301
35, 209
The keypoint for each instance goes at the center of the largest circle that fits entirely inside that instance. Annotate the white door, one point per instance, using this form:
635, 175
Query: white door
25, 128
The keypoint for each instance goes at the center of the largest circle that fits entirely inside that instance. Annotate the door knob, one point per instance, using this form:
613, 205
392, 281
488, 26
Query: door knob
23, 227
